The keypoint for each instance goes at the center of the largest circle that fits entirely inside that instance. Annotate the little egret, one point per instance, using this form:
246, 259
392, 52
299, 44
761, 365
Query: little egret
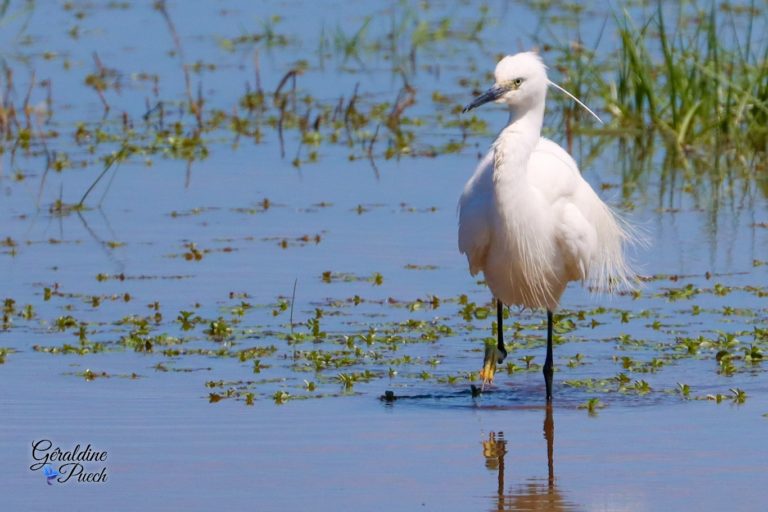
527, 218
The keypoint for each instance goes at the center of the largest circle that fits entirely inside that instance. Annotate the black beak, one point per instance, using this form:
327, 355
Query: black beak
491, 94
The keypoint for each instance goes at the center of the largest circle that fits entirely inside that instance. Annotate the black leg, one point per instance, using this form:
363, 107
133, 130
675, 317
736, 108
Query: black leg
500, 330
549, 369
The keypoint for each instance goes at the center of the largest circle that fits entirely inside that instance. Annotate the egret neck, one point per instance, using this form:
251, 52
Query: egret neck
516, 142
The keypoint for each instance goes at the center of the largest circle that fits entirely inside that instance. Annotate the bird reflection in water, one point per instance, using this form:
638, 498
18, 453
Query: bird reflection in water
535, 494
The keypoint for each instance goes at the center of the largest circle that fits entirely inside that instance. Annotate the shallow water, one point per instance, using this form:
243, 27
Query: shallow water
169, 450
171, 405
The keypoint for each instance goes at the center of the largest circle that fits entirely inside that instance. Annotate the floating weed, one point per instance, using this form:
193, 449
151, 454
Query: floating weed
191, 212
622, 380
346, 380
65, 322
280, 397
192, 253
66, 348
642, 387
451, 379
300, 241
281, 306
8, 242
692, 345
418, 304
90, 375
122, 277
472, 311
219, 329
575, 361
9, 308
591, 385
347, 349
240, 309
255, 353
314, 326
413, 266
753, 354
163, 367
61, 209
739, 396
684, 293
592, 406
328, 277
188, 320
406, 208
717, 398
82, 333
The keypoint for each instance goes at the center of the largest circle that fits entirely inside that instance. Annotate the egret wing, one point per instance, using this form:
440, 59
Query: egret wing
475, 221
552, 171
592, 233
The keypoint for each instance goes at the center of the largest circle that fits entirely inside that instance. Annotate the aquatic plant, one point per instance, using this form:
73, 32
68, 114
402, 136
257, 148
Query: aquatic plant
700, 80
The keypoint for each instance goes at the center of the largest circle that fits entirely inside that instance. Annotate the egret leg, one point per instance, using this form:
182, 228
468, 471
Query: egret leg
549, 369
500, 331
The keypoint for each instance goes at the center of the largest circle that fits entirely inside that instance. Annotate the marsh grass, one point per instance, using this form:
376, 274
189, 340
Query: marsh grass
699, 79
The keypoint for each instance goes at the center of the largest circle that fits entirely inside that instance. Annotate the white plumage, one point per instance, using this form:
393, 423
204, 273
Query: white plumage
527, 218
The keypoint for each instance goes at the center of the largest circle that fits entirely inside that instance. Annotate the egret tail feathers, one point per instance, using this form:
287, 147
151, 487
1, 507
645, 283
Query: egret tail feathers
611, 271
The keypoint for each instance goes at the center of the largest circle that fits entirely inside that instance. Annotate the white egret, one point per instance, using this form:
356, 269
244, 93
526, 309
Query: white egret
527, 218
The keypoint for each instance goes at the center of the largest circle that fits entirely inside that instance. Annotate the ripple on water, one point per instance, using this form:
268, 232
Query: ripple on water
521, 397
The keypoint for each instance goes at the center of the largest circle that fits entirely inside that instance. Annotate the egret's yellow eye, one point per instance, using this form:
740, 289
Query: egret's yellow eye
517, 82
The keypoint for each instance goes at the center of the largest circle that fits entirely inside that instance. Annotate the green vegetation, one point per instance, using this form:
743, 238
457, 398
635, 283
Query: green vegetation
705, 91
322, 356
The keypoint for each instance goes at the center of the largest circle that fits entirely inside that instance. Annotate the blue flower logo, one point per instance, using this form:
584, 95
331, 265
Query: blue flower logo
50, 473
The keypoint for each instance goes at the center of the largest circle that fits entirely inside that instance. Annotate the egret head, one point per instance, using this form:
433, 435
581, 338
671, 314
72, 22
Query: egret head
521, 83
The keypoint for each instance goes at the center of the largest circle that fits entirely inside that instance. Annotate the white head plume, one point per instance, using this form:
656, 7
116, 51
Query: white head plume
574, 98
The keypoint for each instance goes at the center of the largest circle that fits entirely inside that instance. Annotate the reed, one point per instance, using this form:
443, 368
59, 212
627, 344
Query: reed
698, 78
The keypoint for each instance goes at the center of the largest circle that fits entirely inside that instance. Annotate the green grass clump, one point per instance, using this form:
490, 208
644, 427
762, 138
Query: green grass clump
699, 80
